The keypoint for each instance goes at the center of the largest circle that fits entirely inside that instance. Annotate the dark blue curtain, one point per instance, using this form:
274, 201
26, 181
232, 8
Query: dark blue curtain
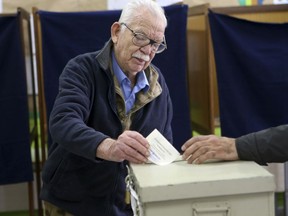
252, 72
65, 35
15, 157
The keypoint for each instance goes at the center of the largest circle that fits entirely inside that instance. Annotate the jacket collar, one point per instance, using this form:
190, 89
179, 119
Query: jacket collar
104, 54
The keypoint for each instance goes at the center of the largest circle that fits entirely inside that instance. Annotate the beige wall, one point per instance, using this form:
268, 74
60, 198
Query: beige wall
222, 3
10, 6
215, 3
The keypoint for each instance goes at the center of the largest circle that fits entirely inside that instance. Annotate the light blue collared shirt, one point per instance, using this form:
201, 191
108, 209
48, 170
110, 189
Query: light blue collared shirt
129, 94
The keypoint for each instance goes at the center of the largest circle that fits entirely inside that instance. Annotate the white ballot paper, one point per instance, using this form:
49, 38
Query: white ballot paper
161, 150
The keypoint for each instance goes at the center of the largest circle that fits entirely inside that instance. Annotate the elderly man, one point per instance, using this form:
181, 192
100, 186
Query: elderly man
108, 102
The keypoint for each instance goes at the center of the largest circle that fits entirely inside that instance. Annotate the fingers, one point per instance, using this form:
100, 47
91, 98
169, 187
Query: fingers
133, 147
135, 140
194, 147
201, 156
193, 141
202, 148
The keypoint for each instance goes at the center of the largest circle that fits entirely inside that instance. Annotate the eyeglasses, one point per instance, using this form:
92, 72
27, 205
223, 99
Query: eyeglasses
142, 40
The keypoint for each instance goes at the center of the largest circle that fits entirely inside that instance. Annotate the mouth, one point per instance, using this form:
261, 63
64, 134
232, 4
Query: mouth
141, 58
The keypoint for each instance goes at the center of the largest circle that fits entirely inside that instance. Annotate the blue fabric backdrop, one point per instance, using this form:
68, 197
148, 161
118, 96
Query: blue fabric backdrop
65, 35
15, 157
252, 72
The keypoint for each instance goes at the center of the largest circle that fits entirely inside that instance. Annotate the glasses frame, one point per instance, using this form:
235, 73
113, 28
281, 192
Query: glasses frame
151, 42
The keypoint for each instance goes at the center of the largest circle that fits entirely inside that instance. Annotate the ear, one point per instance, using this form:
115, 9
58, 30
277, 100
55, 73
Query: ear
115, 30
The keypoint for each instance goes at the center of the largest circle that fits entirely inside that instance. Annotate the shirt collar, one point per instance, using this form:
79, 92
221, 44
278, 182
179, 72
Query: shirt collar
141, 81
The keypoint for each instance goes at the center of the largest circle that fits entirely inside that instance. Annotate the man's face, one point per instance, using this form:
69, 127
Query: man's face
130, 57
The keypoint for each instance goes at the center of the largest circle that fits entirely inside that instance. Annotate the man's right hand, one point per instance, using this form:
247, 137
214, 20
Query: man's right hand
130, 146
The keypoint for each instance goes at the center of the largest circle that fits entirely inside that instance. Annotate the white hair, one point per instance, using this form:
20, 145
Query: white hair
130, 13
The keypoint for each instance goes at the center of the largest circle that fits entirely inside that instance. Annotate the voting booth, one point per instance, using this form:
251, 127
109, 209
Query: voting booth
211, 189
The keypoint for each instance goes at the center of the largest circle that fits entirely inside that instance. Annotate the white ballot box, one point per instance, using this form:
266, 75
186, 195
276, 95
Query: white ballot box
237, 188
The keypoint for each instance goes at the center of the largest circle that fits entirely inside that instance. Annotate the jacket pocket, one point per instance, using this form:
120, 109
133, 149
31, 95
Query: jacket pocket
63, 179
75, 178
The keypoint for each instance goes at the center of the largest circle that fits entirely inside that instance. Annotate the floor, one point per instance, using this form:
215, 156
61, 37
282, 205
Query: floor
18, 213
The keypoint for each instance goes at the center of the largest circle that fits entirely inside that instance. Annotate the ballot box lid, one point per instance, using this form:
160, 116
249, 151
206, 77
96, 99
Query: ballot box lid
180, 180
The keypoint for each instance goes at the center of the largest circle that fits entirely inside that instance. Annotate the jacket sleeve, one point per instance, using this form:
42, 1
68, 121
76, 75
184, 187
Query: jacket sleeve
71, 111
265, 146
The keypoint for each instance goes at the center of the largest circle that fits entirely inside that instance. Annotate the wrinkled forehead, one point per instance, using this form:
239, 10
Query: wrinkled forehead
149, 26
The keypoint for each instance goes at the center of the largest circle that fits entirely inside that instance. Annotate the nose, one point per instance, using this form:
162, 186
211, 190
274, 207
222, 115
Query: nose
147, 49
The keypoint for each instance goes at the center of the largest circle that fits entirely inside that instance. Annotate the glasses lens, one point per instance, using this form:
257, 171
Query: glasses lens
161, 48
140, 40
